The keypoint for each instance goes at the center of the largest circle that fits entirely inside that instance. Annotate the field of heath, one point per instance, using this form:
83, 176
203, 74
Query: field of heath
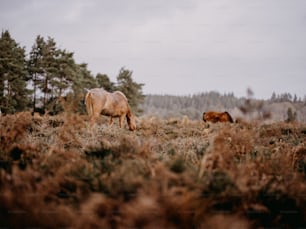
60, 172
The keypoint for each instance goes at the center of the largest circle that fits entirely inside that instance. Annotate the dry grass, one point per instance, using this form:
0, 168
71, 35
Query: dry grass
57, 172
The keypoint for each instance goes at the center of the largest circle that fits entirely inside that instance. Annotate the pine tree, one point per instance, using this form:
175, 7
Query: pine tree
291, 116
43, 67
83, 79
295, 99
36, 68
65, 73
104, 81
131, 89
54, 73
14, 96
273, 97
50, 70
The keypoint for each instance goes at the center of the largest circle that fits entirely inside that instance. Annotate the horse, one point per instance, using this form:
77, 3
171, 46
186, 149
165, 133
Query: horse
212, 116
113, 104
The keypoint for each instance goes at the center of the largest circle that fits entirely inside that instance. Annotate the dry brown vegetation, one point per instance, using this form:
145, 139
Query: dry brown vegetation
58, 172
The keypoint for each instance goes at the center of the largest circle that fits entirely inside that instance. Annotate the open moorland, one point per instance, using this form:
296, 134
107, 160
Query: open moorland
58, 172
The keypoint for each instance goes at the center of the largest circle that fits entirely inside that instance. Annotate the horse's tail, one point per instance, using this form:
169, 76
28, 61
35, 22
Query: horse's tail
89, 103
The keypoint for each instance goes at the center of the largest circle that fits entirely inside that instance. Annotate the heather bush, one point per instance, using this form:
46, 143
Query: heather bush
59, 172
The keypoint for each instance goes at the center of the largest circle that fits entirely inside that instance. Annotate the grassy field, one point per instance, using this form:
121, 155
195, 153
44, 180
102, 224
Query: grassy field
58, 172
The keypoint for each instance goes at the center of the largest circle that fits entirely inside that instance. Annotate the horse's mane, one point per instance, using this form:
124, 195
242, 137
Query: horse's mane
120, 93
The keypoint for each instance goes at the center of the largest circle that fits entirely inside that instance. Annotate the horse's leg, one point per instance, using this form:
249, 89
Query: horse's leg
111, 121
121, 120
93, 119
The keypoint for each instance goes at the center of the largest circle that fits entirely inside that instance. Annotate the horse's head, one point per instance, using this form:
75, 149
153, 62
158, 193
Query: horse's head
131, 121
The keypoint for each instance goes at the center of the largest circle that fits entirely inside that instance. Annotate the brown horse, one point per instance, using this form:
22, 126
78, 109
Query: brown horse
212, 116
115, 104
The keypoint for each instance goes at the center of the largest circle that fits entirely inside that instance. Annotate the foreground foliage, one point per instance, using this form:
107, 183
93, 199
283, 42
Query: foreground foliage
57, 171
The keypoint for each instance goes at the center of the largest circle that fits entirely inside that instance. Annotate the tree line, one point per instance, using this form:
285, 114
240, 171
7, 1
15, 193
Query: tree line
193, 106
283, 107
38, 81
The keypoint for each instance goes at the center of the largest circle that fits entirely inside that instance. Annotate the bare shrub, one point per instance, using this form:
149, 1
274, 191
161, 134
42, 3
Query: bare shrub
56, 171
13, 129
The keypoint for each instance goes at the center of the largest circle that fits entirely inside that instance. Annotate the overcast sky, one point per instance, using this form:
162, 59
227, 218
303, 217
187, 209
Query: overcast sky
177, 47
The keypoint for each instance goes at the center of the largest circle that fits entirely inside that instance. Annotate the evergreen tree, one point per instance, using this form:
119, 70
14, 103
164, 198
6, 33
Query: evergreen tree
83, 79
14, 96
36, 67
54, 74
50, 70
131, 89
291, 116
65, 73
104, 82
295, 99
273, 97
44, 68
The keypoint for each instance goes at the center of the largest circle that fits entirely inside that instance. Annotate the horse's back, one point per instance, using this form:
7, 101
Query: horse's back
119, 102
120, 95
98, 93
214, 117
